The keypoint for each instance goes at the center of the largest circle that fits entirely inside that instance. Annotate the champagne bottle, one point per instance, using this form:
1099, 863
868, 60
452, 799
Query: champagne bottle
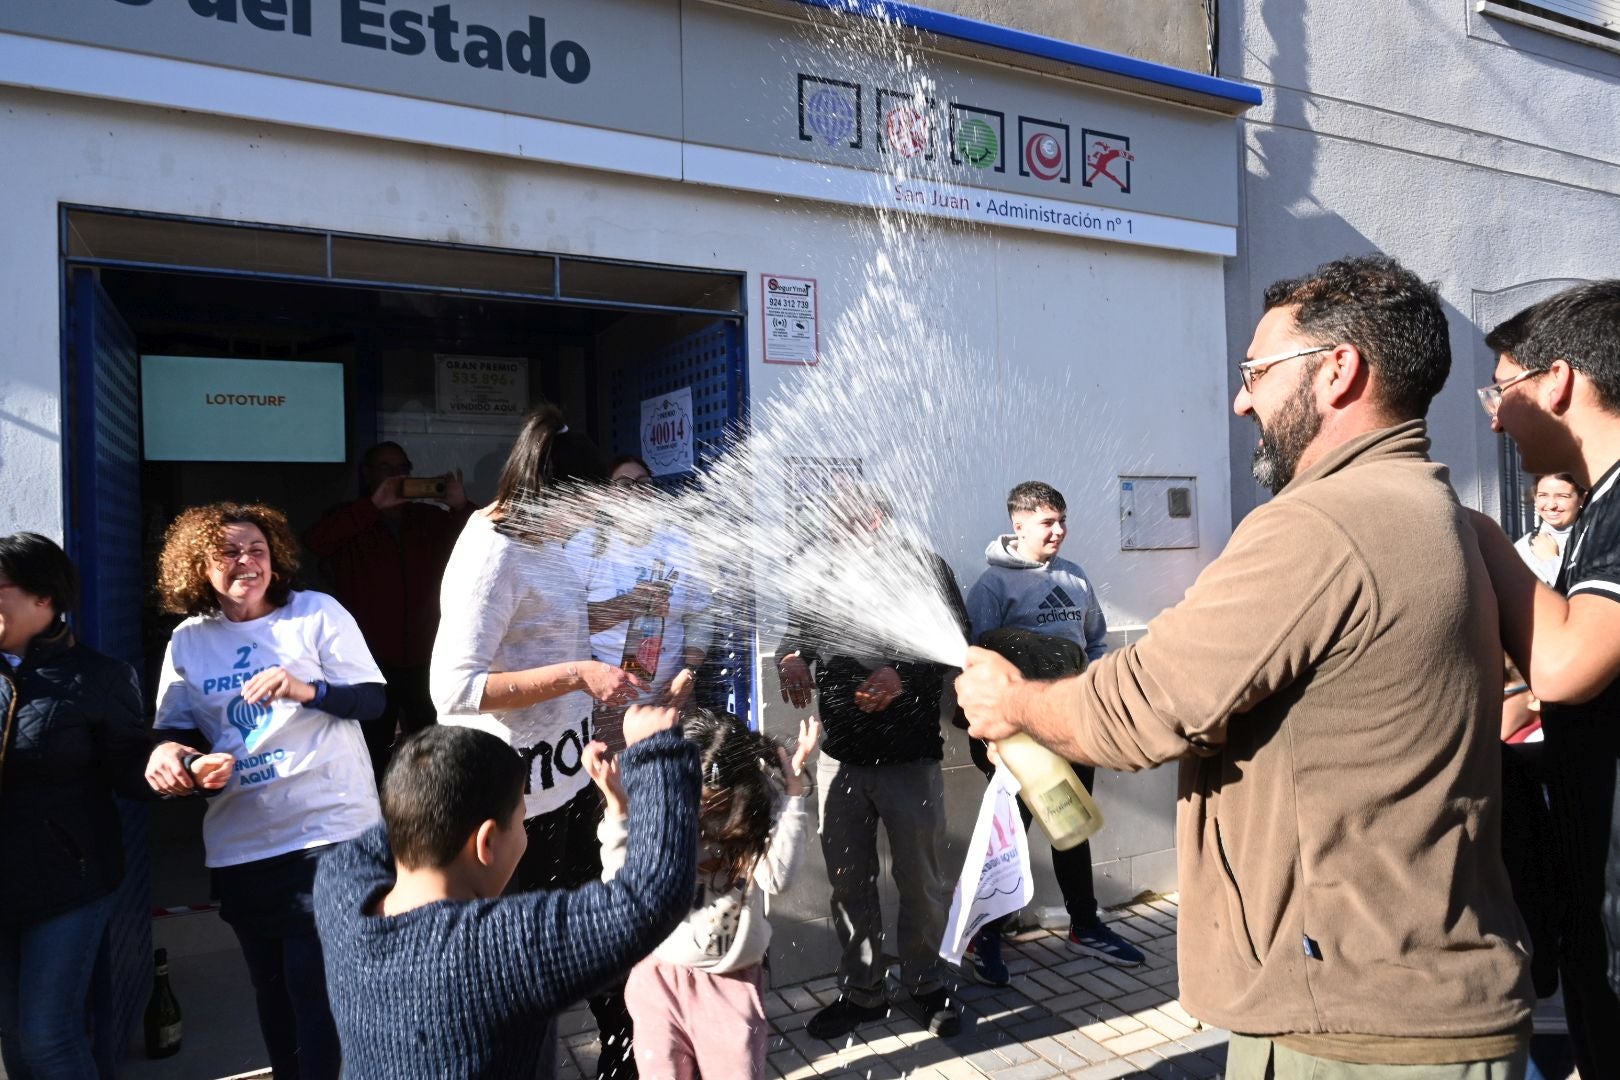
1049, 786
644, 638
1051, 790
162, 1012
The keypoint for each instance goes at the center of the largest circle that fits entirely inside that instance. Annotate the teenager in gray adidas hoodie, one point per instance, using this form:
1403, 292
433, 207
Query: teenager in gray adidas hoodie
1027, 586
1037, 591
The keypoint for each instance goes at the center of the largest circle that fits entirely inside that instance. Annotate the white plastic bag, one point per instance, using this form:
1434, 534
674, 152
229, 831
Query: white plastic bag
996, 878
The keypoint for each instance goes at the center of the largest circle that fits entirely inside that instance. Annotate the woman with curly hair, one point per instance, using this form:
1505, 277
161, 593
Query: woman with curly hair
280, 679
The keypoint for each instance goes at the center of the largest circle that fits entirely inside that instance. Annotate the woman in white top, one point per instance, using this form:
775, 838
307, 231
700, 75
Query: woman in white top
278, 679
648, 605
1558, 504
512, 657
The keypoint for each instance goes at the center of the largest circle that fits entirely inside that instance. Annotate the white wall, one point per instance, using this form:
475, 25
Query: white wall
1128, 341
1165, 31
1484, 156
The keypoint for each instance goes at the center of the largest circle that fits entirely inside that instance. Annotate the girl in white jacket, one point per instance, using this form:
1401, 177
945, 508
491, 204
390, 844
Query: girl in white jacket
698, 1000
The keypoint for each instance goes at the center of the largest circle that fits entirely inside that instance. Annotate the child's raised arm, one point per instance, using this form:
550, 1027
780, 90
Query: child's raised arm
578, 940
611, 833
793, 766
782, 855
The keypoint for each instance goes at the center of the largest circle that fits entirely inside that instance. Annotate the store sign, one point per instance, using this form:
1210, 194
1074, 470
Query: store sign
608, 63
670, 89
482, 386
368, 24
666, 432
790, 312
204, 408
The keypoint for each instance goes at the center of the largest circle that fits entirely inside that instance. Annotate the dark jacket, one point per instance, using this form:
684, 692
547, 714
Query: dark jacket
389, 581
73, 734
908, 730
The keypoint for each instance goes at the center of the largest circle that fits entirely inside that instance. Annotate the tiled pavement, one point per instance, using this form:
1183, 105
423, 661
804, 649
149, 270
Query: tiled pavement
1063, 1015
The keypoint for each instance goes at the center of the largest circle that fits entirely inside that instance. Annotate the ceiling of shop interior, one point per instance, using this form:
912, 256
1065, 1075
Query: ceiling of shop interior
190, 312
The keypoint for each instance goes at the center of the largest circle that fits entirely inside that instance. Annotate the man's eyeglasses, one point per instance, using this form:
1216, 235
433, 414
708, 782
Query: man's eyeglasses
1490, 397
1251, 370
632, 481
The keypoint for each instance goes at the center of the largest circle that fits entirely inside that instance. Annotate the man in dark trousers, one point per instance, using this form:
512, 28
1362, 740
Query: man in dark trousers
880, 763
385, 554
1028, 585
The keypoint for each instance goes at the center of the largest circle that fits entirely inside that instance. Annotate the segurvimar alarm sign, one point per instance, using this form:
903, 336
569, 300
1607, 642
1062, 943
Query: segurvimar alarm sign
790, 322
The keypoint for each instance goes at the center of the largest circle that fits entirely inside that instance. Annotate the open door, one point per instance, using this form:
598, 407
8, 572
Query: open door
711, 364
104, 472
104, 540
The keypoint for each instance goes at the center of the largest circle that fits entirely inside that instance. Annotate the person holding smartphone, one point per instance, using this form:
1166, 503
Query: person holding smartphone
384, 555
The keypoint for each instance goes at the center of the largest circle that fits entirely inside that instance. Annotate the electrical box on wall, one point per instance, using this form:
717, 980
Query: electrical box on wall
1158, 512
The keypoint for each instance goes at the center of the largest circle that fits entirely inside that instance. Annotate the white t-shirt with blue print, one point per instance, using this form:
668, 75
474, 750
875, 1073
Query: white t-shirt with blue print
303, 778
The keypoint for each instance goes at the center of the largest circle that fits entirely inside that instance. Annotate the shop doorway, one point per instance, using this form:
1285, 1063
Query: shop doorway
381, 323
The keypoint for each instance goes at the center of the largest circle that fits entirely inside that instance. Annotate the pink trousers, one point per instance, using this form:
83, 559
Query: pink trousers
691, 1024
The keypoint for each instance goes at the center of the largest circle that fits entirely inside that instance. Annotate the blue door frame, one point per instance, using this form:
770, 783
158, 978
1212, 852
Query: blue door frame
102, 429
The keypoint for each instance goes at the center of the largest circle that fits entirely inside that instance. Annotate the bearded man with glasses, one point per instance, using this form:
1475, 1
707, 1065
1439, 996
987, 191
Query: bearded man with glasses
1331, 688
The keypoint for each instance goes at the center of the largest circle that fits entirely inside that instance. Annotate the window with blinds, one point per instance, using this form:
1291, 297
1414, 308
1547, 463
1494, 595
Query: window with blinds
1595, 22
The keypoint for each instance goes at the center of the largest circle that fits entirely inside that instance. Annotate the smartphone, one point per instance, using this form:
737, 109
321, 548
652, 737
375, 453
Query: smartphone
422, 487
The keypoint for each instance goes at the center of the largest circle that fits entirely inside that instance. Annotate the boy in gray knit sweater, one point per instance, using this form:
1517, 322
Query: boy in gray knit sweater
430, 970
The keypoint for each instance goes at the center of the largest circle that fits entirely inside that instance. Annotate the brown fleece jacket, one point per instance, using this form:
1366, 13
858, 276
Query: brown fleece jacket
1332, 686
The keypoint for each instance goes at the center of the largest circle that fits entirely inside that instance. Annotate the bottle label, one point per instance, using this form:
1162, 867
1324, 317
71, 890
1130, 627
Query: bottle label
643, 643
1063, 809
168, 1035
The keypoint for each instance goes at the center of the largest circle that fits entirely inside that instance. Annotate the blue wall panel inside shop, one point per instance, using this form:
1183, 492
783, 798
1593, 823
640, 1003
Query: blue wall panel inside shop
708, 361
712, 364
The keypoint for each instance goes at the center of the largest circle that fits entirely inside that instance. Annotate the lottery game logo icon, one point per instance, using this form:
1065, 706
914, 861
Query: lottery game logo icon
1043, 157
829, 110
910, 123
906, 130
1108, 157
250, 720
830, 115
977, 137
1045, 150
976, 143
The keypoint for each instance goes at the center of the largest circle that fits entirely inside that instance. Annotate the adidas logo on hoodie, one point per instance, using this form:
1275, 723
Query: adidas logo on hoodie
1057, 607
